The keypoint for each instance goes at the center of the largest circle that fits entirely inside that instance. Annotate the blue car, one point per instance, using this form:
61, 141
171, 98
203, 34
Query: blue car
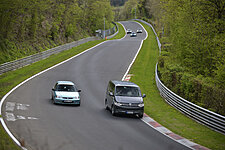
65, 92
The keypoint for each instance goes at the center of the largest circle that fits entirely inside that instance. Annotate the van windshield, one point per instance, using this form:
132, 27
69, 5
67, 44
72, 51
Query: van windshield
128, 91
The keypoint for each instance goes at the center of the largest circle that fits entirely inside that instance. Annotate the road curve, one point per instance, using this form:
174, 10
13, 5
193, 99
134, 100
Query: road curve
31, 116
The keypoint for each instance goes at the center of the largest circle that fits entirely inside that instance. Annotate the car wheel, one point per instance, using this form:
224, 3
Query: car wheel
106, 105
53, 101
79, 104
113, 110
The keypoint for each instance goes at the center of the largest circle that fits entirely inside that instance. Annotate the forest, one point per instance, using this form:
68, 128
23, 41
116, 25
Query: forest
31, 26
192, 33
117, 2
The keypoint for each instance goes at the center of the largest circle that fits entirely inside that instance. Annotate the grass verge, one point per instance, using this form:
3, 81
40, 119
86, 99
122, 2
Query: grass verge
144, 75
121, 32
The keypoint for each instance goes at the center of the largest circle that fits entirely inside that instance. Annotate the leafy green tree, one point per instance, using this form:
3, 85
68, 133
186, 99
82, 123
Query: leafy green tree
29, 26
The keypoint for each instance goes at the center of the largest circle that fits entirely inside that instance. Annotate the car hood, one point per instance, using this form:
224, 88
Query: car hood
67, 94
127, 99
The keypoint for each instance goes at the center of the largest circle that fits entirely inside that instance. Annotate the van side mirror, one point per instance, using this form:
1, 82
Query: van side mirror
53, 89
78, 90
143, 96
111, 94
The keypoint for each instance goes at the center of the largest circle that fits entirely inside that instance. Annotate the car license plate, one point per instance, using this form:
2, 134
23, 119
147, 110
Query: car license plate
130, 112
67, 101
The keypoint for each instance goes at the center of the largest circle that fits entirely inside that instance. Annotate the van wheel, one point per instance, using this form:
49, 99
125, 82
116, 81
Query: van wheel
106, 105
140, 115
113, 110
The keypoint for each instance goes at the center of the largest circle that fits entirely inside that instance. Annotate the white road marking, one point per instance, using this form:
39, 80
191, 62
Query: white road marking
21, 117
32, 118
22, 106
10, 117
10, 106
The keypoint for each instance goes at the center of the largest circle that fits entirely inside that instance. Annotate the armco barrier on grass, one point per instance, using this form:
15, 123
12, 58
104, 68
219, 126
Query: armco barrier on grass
13, 65
213, 120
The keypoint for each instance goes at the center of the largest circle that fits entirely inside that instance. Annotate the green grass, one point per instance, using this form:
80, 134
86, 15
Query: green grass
6, 143
121, 32
144, 75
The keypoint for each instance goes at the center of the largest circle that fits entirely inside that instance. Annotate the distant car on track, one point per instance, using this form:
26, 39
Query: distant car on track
65, 92
139, 31
129, 31
133, 34
124, 97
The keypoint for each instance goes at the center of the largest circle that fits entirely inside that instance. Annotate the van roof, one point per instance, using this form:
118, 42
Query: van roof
124, 83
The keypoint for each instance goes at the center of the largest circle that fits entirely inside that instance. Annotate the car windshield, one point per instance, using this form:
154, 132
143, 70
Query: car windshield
128, 91
67, 88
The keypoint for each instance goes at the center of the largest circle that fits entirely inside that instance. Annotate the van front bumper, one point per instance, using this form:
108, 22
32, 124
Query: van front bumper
129, 110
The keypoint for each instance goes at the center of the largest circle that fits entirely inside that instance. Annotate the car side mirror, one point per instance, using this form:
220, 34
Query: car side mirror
78, 90
53, 89
143, 96
111, 94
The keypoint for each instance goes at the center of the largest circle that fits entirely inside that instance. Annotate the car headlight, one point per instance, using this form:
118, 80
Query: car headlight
141, 105
117, 103
77, 97
58, 96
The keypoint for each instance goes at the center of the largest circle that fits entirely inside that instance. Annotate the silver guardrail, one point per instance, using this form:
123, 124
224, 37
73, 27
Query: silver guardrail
16, 64
13, 65
201, 115
108, 33
204, 116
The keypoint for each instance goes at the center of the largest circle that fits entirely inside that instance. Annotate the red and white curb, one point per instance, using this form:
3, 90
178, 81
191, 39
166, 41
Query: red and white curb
127, 77
155, 125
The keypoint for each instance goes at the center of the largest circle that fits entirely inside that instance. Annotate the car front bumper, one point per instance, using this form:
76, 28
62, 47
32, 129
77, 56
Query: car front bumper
66, 101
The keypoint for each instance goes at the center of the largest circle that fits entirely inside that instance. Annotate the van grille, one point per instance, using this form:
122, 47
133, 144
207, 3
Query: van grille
130, 104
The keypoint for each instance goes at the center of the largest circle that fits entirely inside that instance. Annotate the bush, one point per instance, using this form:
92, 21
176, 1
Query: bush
196, 89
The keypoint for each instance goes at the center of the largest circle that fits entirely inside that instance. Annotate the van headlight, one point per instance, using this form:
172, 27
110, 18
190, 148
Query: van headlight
117, 103
141, 105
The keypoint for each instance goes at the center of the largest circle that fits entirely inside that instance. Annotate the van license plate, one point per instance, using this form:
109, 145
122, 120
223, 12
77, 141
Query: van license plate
129, 112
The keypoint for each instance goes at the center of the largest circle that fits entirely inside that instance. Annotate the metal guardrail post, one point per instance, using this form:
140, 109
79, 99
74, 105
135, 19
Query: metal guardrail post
13, 65
211, 119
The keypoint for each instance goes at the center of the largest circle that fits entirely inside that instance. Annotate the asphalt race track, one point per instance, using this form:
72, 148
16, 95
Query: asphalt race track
32, 118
